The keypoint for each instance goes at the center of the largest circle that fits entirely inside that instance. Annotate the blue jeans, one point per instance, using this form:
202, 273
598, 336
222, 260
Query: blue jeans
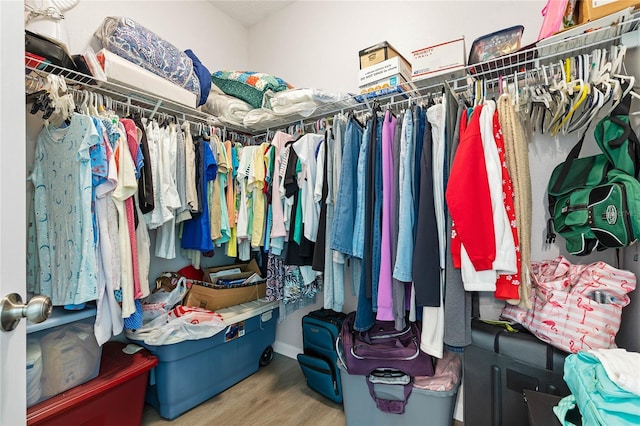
402, 270
344, 212
358, 227
365, 317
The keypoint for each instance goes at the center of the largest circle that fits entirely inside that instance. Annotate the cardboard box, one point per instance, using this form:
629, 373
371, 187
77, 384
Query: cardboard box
593, 9
384, 69
217, 298
246, 270
375, 54
438, 58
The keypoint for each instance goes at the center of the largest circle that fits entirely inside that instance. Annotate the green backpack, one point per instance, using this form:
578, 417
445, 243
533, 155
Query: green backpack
594, 201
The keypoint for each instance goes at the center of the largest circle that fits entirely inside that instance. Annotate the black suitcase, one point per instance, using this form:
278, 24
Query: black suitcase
498, 366
320, 329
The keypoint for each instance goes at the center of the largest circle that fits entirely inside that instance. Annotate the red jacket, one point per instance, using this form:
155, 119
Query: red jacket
469, 199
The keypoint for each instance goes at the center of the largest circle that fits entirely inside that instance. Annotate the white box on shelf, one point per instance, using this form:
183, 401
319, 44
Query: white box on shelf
439, 58
384, 69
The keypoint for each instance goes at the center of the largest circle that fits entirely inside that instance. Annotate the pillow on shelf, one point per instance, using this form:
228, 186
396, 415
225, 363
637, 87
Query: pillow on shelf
135, 43
248, 85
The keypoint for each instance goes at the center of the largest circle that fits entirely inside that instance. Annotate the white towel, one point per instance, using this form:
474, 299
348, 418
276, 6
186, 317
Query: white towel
622, 367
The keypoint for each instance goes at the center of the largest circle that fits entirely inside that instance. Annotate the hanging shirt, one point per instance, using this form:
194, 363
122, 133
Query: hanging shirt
345, 199
224, 165
277, 227
507, 285
306, 148
196, 233
245, 205
145, 182
190, 162
426, 256
108, 312
256, 185
166, 235
182, 213
505, 260
132, 144
402, 270
155, 217
62, 201
432, 335
469, 200
215, 207
230, 190
127, 186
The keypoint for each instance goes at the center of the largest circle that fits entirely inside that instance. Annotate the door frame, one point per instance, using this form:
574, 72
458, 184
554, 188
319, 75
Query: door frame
12, 208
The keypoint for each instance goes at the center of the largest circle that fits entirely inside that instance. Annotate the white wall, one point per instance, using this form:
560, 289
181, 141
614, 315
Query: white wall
316, 43
214, 37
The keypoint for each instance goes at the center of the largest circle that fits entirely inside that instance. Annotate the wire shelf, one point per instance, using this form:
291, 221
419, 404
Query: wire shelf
135, 99
544, 52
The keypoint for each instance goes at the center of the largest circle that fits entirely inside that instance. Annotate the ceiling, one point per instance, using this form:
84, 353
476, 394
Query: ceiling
249, 13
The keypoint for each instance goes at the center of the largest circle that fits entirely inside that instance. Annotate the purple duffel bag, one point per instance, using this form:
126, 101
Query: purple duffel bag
384, 347
384, 355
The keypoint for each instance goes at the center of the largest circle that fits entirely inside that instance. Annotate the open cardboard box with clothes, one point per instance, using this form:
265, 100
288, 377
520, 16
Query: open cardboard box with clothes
216, 296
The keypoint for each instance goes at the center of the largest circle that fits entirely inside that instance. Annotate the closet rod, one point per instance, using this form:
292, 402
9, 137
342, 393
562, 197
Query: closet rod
126, 105
118, 91
385, 101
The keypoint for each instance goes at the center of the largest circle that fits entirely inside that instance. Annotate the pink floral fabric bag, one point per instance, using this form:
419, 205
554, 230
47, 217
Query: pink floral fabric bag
575, 307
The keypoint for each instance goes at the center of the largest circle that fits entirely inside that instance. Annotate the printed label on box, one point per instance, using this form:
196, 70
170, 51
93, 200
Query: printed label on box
383, 70
234, 331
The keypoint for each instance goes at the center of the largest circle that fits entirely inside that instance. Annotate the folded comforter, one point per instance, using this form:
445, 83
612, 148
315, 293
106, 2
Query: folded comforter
228, 109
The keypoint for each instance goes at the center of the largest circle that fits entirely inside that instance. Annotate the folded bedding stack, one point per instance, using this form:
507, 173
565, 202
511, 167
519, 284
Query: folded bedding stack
246, 98
146, 51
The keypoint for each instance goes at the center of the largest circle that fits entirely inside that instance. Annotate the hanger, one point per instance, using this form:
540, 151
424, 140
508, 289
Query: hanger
584, 109
558, 93
577, 99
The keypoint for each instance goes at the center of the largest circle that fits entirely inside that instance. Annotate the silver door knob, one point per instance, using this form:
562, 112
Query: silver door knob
12, 310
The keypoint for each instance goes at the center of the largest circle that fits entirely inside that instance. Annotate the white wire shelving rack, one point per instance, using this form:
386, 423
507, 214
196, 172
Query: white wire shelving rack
149, 104
512, 66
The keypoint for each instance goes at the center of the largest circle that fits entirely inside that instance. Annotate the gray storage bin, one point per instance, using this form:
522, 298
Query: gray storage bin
424, 407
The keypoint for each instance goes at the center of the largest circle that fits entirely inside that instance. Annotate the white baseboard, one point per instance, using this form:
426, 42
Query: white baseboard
286, 349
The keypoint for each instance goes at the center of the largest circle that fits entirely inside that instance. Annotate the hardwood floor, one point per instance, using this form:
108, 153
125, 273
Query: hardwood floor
276, 395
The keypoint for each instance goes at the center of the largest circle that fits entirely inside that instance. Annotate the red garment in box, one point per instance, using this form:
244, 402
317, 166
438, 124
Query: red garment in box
115, 397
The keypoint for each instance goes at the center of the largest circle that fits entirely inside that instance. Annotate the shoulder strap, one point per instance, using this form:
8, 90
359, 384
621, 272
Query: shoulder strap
573, 154
627, 134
